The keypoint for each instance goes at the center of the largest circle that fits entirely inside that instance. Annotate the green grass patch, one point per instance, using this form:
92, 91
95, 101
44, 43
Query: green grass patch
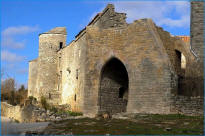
71, 113
152, 124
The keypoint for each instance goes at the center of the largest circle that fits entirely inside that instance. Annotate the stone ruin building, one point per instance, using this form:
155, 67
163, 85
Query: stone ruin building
113, 66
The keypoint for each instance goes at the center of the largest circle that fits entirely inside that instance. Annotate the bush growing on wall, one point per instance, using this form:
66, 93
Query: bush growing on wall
44, 103
32, 98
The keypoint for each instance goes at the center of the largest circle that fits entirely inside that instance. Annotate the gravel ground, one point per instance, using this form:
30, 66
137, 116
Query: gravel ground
8, 127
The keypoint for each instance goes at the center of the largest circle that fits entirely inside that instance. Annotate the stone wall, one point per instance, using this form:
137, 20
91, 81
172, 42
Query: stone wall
197, 28
73, 74
175, 49
72, 68
11, 111
31, 113
33, 73
139, 48
188, 105
108, 18
22, 114
195, 69
172, 46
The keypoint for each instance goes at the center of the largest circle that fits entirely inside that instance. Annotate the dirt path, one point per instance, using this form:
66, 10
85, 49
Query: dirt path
8, 127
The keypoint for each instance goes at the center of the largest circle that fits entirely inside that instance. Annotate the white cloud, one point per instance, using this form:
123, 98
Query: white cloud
169, 13
182, 22
10, 57
8, 36
9, 42
19, 30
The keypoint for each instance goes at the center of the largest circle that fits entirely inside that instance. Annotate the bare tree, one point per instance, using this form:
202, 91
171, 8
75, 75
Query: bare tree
8, 90
8, 85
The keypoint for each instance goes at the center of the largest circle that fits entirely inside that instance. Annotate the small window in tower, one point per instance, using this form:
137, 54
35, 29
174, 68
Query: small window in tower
60, 74
75, 97
61, 45
76, 73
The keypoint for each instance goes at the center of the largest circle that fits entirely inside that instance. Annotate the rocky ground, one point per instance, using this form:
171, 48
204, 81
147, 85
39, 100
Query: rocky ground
126, 124
42, 115
35, 113
10, 127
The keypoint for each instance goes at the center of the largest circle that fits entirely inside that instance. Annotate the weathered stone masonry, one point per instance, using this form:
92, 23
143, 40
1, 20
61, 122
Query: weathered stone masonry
114, 67
195, 69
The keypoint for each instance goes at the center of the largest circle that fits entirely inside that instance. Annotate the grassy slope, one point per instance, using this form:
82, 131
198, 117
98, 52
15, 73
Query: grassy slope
145, 124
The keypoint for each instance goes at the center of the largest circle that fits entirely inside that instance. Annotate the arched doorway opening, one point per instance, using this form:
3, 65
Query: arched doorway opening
180, 68
113, 93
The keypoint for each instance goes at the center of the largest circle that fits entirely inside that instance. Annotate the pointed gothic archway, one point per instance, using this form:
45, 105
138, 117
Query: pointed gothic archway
113, 93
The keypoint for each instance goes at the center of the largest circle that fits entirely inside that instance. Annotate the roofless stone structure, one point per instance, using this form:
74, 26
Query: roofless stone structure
113, 66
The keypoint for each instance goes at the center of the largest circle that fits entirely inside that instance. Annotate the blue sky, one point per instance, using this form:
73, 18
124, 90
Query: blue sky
23, 20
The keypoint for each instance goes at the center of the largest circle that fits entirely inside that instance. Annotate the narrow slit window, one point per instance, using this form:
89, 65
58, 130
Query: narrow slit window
60, 74
75, 97
76, 73
61, 45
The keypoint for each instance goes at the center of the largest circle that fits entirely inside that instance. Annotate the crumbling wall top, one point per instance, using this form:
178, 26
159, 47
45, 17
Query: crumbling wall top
57, 30
108, 18
34, 60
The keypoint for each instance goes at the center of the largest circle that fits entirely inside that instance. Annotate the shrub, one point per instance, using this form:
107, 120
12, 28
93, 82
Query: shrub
59, 112
71, 113
53, 109
44, 103
32, 98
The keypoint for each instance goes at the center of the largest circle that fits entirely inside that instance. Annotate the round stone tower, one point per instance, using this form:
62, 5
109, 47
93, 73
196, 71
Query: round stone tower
47, 80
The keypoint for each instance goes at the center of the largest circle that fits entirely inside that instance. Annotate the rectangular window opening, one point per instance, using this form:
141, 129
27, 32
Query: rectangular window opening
75, 98
61, 45
76, 73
